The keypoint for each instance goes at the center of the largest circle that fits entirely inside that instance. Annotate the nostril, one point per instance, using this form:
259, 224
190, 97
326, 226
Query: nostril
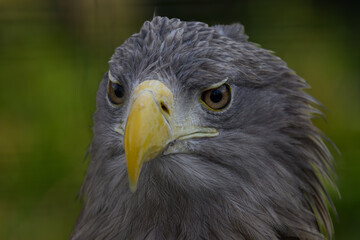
164, 107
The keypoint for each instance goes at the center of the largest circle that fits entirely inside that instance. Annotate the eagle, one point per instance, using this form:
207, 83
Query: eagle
200, 134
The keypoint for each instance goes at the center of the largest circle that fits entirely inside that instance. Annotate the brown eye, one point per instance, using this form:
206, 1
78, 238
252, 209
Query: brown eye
116, 93
217, 98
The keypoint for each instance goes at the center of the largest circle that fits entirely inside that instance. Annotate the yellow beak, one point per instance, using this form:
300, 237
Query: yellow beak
148, 128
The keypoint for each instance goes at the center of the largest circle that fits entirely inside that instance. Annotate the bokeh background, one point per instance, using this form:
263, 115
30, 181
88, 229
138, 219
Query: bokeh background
54, 53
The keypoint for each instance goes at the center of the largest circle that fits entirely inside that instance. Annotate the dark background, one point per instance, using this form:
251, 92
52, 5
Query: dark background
54, 53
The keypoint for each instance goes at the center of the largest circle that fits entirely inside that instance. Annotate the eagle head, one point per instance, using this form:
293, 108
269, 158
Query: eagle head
200, 134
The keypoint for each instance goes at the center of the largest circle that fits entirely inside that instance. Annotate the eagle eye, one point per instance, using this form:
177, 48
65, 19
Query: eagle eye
116, 93
217, 98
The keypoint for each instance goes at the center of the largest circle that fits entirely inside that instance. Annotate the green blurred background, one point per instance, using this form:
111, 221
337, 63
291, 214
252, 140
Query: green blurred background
54, 53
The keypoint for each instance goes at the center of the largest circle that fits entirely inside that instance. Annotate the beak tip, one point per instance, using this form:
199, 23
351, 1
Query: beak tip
133, 187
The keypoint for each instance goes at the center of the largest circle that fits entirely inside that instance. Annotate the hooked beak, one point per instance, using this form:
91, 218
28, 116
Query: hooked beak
150, 127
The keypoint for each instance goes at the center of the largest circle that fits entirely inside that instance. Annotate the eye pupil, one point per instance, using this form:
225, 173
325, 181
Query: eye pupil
118, 90
216, 96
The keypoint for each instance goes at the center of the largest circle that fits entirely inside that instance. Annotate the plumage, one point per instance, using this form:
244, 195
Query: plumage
259, 177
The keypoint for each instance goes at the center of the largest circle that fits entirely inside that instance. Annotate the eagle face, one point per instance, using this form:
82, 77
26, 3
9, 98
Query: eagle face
200, 134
